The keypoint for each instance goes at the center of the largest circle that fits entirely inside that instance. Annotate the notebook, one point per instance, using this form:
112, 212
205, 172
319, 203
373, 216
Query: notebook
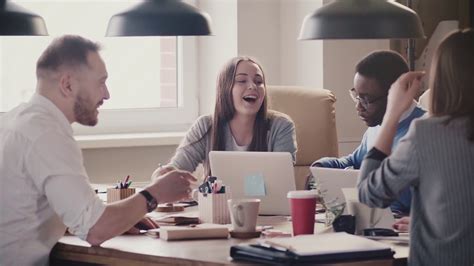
332, 180
264, 175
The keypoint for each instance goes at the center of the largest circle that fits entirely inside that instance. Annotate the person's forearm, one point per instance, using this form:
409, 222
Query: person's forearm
117, 218
386, 134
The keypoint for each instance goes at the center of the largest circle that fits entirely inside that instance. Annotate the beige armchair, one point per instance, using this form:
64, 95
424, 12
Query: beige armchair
314, 114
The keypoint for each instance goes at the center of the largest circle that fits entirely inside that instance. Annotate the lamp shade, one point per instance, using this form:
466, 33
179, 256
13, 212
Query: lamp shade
160, 18
362, 19
16, 20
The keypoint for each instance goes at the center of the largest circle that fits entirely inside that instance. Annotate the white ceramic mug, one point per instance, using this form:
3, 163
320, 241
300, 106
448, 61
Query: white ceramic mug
243, 214
365, 216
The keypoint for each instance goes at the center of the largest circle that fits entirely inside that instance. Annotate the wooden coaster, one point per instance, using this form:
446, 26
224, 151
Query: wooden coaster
169, 208
245, 235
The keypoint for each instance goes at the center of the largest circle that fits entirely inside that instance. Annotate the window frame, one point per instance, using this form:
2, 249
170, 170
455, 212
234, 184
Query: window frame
159, 119
163, 119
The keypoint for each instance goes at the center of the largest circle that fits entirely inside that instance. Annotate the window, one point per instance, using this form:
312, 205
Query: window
146, 75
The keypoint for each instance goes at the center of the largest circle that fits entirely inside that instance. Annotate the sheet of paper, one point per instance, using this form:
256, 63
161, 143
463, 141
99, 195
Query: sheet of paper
254, 185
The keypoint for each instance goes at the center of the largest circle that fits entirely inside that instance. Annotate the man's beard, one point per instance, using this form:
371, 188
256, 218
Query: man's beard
84, 112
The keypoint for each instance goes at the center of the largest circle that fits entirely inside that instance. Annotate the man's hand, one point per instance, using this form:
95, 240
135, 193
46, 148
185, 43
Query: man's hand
161, 170
144, 224
172, 186
402, 224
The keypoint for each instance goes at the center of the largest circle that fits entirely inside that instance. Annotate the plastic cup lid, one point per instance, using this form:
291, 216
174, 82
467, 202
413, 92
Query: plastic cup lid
302, 194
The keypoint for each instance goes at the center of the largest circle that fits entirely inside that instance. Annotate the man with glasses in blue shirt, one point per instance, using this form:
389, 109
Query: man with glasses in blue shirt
374, 75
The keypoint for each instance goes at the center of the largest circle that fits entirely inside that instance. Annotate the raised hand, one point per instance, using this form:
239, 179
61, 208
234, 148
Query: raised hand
402, 92
172, 186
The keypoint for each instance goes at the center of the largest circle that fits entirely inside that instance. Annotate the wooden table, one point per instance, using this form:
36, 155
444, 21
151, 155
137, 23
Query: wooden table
145, 250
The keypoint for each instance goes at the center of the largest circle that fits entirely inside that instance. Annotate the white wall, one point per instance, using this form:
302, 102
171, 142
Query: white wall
259, 32
301, 62
267, 30
214, 51
111, 164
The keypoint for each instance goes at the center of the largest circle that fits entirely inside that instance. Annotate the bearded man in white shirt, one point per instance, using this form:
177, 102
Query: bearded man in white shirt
44, 187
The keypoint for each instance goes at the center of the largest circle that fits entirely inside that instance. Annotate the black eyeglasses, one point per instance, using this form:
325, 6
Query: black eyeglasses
364, 102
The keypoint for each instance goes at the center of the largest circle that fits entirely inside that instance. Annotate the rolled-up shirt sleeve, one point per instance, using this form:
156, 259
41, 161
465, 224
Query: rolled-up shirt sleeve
382, 180
55, 163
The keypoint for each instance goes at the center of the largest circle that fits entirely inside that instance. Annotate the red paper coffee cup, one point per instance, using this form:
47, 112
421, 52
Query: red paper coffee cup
303, 209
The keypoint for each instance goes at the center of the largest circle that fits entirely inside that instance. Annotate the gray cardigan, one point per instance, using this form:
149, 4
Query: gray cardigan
195, 147
437, 161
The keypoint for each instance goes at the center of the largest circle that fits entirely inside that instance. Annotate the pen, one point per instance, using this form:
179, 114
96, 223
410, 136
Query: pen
214, 188
126, 179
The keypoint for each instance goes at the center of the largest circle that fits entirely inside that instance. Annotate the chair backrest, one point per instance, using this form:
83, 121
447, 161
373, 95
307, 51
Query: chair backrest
314, 114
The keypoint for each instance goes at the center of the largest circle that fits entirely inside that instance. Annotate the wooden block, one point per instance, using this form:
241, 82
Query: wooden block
200, 231
169, 208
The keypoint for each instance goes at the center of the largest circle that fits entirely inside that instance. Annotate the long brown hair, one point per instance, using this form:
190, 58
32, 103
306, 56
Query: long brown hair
452, 79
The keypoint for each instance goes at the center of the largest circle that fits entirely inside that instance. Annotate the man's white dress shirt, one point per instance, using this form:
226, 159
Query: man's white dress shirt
44, 187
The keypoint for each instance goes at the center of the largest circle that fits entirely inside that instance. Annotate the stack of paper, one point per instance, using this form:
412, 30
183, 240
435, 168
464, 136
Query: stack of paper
177, 220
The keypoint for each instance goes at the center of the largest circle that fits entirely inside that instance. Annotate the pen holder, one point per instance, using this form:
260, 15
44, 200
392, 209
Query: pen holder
116, 194
213, 208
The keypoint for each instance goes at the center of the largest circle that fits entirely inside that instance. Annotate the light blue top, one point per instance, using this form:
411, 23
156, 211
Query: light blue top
355, 158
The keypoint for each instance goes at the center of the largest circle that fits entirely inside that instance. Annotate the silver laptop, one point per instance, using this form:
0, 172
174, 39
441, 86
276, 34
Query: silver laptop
332, 180
264, 175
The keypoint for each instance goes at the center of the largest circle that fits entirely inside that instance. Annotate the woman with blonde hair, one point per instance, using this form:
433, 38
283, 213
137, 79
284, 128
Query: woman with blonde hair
435, 158
241, 120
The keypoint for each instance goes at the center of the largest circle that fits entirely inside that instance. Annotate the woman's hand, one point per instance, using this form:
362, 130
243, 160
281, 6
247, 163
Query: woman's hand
402, 92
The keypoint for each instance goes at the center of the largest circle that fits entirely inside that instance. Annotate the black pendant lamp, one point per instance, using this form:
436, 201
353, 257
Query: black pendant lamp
16, 20
362, 19
160, 18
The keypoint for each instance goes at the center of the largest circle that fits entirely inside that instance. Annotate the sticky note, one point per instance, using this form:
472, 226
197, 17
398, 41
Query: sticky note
254, 185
